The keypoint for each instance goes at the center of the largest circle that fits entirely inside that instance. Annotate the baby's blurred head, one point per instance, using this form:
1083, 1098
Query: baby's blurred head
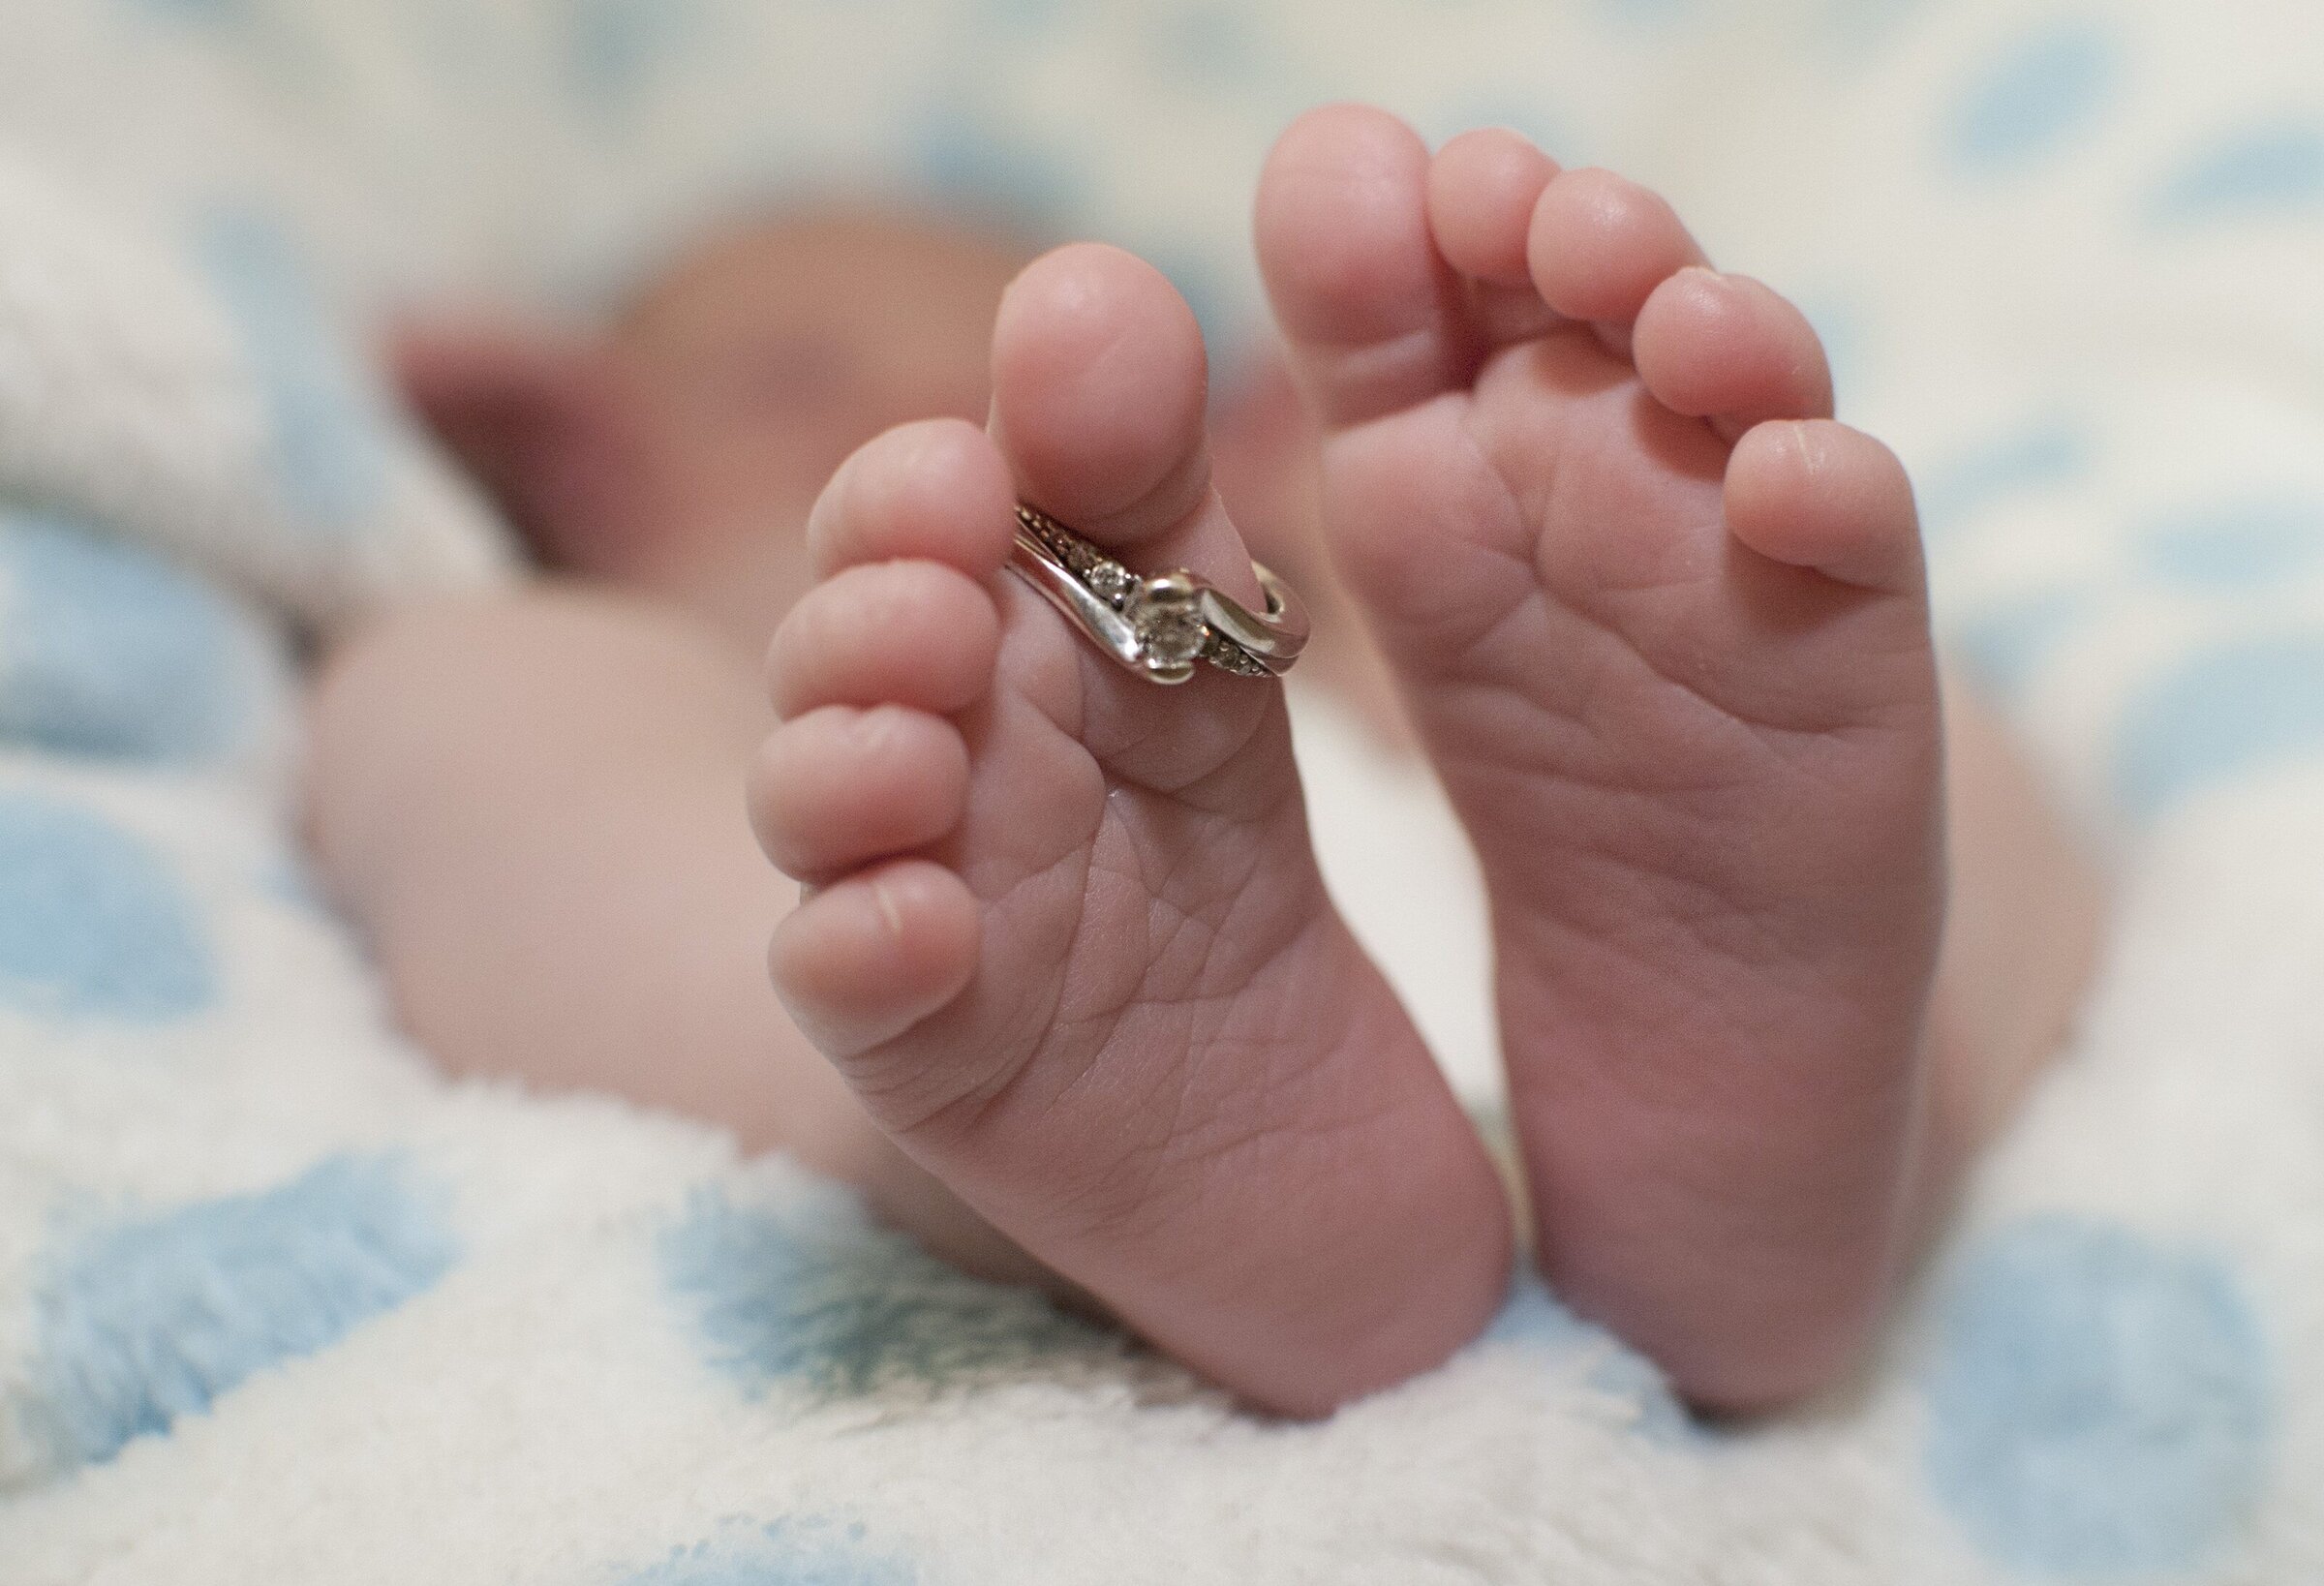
714, 406
678, 449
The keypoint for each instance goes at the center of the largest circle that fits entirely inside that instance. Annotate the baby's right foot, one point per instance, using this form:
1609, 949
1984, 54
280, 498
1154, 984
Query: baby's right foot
1068, 941
1663, 624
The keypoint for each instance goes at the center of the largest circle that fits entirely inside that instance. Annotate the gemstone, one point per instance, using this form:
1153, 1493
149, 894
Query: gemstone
1110, 580
1168, 620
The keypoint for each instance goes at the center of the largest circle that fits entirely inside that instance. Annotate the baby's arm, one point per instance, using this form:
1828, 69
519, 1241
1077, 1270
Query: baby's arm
532, 807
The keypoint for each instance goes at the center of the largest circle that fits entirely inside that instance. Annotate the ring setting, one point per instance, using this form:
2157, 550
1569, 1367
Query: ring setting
1157, 624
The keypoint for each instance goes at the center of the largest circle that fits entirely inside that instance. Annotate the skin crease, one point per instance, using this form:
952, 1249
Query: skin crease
487, 776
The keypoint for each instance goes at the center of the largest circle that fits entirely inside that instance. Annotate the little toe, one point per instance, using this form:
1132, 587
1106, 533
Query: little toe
1815, 492
918, 633
838, 787
868, 958
1373, 312
1727, 349
934, 491
1599, 244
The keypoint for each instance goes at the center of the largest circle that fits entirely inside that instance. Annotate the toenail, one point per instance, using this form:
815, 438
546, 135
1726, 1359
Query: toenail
933, 440
1795, 436
1703, 278
889, 913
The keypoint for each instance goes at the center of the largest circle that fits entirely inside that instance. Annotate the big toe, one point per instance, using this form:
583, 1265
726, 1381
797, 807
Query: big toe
1370, 310
1099, 387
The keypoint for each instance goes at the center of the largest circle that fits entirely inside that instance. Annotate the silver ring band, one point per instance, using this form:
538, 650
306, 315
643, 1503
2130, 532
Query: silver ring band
1157, 625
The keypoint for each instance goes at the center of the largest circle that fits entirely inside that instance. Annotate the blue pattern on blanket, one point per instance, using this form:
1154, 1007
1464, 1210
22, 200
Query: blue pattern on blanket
791, 1295
93, 925
2272, 169
2246, 706
784, 1553
148, 1320
970, 159
108, 649
1214, 49
331, 454
2008, 643
615, 45
2241, 542
2098, 1402
2033, 98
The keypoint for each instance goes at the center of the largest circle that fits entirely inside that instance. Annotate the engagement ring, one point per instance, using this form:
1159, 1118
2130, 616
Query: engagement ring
1160, 625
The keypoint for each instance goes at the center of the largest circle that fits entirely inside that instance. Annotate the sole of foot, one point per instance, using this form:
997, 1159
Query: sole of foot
1663, 626
1065, 936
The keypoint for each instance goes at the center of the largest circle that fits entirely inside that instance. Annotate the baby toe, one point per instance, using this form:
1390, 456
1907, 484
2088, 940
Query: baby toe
838, 787
1482, 187
1815, 492
918, 633
1728, 349
1099, 385
935, 490
1599, 244
865, 959
1368, 306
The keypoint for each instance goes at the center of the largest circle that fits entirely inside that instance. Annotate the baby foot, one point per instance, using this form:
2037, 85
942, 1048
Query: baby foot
1066, 938
1662, 623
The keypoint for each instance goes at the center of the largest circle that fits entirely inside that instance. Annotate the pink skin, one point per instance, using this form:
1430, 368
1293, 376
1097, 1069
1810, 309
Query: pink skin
1662, 624
1069, 944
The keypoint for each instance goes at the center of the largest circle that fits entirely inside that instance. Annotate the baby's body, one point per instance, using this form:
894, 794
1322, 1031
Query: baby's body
1089, 1016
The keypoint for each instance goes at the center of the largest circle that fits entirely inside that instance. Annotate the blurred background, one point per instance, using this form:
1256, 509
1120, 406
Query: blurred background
2067, 257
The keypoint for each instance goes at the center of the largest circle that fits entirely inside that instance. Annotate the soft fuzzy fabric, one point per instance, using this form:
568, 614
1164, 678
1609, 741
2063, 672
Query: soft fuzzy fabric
277, 1304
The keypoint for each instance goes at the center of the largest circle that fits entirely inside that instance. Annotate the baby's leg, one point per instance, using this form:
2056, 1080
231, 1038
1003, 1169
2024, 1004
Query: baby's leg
2022, 932
532, 806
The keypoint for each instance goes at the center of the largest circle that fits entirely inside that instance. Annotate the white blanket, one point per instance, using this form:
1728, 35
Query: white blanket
278, 1304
